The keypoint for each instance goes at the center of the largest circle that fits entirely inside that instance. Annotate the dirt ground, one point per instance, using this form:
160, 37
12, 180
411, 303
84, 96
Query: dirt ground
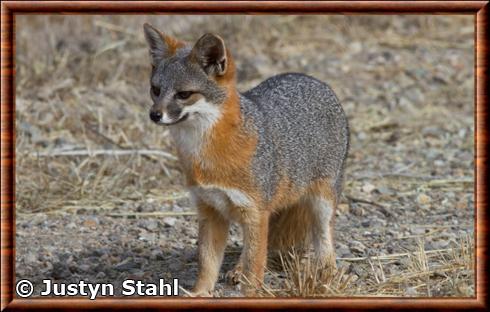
406, 221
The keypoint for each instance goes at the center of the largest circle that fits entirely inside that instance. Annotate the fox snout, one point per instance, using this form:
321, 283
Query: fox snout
171, 115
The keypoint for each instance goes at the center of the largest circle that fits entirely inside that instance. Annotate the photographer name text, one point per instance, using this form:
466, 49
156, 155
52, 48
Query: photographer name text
129, 287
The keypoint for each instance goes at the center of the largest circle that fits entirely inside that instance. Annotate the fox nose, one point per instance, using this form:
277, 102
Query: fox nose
155, 116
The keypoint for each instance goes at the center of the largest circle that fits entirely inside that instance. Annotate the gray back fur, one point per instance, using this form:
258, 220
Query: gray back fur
302, 131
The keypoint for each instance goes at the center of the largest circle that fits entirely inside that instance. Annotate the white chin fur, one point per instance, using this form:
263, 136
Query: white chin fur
208, 113
189, 134
165, 120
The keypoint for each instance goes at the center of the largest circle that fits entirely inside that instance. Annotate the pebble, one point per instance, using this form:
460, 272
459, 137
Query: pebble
150, 237
169, 221
368, 188
386, 191
357, 247
418, 231
357, 210
71, 226
126, 265
439, 163
100, 275
91, 222
423, 199
366, 223
157, 254
344, 252
31, 257
60, 271
343, 208
84, 267
149, 224
362, 136
410, 291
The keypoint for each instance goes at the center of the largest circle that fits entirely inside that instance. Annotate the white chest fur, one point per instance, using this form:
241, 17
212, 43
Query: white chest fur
222, 199
190, 134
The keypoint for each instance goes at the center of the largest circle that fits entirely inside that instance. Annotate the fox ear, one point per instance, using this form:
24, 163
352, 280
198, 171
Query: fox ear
210, 53
161, 45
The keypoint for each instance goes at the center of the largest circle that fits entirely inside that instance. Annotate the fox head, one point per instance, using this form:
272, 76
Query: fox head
189, 83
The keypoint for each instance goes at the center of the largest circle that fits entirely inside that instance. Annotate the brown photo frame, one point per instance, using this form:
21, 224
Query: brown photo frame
9, 9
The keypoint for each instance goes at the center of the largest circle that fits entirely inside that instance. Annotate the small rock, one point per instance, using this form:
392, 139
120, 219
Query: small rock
343, 250
432, 131
177, 208
175, 266
157, 254
462, 204
441, 244
90, 223
366, 223
100, 252
84, 267
357, 247
368, 188
126, 265
355, 47
149, 224
137, 275
60, 271
377, 222
462, 133
410, 291
31, 257
404, 102
423, 199
416, 95
357, 210
418, 231
169, 221
343, 208
439, 163
150, 237
100, 275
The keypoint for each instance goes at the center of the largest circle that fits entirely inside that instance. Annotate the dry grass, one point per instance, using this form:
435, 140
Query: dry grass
308, 278
424, 273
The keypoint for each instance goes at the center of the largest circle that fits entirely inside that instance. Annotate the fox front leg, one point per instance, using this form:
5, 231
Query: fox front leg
233, 277
213, 233
254, 256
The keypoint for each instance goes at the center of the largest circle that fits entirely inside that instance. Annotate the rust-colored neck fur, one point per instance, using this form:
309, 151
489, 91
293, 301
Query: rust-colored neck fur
226, 155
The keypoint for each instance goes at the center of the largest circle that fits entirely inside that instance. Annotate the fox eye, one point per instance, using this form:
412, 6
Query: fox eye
183, 95
155, 90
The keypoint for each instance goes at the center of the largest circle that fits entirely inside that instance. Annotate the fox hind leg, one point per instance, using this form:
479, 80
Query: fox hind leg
289, 229
323, 205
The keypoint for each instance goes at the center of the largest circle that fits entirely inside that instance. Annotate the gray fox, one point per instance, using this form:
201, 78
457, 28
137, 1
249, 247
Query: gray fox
271, 159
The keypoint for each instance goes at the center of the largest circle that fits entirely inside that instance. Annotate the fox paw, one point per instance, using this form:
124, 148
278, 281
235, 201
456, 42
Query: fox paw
233, 277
